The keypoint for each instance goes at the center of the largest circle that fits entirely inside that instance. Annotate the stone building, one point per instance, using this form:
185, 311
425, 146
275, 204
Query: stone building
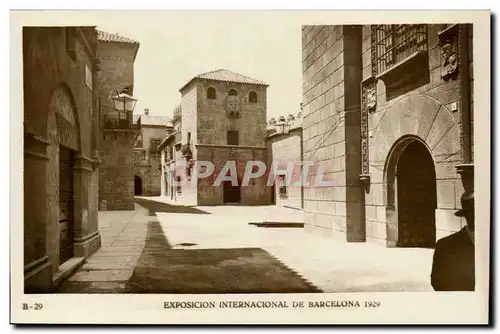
223, 119
170, 154
117, 55
284, 143
147, 164
389, 109
60, 152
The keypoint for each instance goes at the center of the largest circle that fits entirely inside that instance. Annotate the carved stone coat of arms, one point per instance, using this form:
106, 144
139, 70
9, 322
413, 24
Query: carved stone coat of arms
233, 106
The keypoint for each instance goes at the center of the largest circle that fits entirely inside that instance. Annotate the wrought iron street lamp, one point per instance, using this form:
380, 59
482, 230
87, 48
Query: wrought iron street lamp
123, 101
282, 126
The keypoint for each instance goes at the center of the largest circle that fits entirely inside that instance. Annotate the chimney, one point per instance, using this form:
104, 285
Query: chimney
146, 111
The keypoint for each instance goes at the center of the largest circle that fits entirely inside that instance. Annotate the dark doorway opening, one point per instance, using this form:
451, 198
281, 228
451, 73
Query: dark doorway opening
273, 194
137, 185
66, 204
416, 197
232, 194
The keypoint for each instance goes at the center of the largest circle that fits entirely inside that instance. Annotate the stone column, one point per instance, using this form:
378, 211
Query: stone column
355, 207
86, 233
37, 267
466, 172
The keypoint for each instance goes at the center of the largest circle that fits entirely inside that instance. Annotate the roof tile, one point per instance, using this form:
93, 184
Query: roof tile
114, 38
227, 76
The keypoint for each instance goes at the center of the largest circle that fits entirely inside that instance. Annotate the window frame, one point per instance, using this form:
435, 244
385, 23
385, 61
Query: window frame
209, 90
232, 90
237, 136
387, 55
250, 95
153, 150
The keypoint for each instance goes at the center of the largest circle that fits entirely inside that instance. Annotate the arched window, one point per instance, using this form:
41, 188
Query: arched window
211, 94
252, 97
233, 92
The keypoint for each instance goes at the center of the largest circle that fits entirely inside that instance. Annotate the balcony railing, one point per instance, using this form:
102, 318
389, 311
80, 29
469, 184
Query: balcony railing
118, 120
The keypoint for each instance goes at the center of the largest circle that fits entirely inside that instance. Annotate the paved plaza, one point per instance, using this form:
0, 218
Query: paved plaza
161, 247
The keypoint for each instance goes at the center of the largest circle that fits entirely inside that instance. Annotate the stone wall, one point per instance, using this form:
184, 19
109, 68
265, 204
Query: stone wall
213, 121
331, 102
116, 174
59, 77
420, 105
116, 181
256, 193
147, 164
427, 112
207, 121
286, 148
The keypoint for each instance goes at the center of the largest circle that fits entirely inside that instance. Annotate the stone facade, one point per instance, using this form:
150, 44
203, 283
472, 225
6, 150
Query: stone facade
147, 156
116, 174
60, 152
170, 154
215, 106
391, 130
286, 148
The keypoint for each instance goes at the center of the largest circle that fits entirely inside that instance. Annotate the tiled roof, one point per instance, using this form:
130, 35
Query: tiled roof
114, 38
227, 76
152, 120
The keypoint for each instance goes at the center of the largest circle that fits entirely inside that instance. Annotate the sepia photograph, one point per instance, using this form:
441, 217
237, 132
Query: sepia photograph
218, 160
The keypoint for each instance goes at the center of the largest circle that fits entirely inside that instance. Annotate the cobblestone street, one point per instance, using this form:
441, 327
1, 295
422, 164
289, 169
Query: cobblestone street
166, 248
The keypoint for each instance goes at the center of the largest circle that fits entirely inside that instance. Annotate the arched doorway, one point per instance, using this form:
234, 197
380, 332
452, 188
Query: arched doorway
412, 199
63, 195
137, 185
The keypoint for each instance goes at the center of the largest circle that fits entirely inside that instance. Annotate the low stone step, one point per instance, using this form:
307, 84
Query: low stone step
278, 224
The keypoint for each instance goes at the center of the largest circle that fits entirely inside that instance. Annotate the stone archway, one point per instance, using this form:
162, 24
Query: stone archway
421, 120
411, 194
64, 193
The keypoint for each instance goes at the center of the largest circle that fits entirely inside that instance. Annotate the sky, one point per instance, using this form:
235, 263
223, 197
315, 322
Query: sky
174, 47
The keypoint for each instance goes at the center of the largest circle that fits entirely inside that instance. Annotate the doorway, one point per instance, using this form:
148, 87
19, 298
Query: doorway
273, 194
231, 194
416, 198
137, 185
66, 204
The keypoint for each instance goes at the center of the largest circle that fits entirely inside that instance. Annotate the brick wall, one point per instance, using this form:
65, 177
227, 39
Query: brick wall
116, 173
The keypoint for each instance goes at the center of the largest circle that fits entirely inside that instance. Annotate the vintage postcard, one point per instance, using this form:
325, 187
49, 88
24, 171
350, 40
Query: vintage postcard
250, 167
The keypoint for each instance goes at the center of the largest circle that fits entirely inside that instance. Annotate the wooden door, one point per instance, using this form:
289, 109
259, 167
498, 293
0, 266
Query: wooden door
66, 204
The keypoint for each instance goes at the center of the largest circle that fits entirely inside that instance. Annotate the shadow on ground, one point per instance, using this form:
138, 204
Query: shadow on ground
154, 207
161, 269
